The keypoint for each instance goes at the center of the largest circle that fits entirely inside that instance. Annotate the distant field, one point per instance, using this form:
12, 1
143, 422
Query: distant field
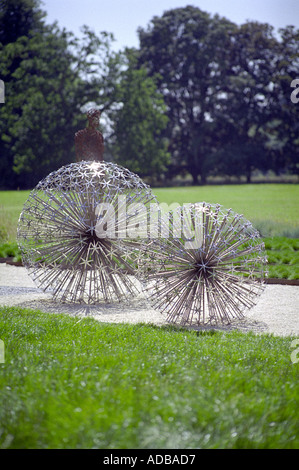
11, 204
272, 208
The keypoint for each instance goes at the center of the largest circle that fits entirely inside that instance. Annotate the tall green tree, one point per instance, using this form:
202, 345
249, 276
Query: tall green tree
50, 77
187, 48
227, 91
245, 101
282, 130
20, 18
139, 121
263, 120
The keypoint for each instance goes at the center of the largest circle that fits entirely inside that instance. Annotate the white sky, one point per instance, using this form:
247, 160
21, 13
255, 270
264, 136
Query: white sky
123, 17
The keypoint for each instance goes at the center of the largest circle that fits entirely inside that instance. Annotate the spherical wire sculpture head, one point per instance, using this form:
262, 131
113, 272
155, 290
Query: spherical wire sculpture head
77, 237
207, 266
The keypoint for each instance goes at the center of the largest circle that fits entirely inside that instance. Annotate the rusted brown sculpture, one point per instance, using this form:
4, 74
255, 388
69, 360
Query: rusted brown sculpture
89, 142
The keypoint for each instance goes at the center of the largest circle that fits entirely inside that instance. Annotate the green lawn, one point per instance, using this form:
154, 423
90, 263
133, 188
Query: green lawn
71, 383
272, 208
283, 257
11, 205
77, 383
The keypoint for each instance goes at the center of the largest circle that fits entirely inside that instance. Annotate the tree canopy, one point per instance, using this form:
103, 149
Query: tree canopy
20, 18
49, 77
200, 95
223, 86
139, 122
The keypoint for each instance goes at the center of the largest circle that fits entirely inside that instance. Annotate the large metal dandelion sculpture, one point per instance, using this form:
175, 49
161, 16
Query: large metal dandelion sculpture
207, 266
77, 238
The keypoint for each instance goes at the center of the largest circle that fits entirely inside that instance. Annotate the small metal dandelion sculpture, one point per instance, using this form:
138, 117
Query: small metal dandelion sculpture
73, 230
208, 270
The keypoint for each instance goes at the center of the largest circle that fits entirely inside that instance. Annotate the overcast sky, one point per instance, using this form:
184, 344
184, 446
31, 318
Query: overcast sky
123, 17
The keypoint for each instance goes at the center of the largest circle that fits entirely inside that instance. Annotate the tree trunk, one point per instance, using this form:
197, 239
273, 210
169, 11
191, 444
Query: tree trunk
203, 179
195, 181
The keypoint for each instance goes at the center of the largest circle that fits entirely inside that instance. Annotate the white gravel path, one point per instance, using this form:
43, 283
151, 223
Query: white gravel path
276, 311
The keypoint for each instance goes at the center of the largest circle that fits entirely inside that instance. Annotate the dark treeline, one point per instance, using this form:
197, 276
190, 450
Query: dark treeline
200, 96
